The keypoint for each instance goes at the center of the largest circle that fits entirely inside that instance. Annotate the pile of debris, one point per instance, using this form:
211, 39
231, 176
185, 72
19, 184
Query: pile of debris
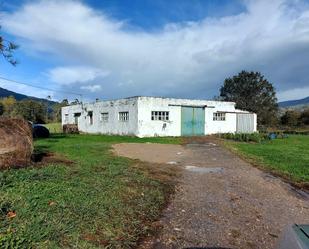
16, 144
70, 129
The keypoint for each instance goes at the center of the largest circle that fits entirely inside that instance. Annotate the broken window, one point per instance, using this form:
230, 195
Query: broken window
159, 115
104, 117
90, 114
123, 116
219, 116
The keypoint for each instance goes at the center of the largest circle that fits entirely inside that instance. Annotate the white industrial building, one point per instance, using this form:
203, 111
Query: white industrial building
154, 116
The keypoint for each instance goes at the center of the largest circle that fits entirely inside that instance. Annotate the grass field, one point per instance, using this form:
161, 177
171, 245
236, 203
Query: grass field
98, 201
287, 157
54, 127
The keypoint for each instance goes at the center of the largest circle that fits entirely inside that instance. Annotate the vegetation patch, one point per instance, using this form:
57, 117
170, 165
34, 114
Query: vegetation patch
98, 201
54, 127
288, 157
245, 137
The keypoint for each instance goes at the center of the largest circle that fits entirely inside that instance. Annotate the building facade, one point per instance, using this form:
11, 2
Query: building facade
154, 116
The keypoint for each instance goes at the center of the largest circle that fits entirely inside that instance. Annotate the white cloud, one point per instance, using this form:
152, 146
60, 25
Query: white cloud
75, 74
296, 93
184, 60
91, 88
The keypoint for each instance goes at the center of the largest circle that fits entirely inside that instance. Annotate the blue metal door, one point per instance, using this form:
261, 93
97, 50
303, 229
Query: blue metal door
192, 121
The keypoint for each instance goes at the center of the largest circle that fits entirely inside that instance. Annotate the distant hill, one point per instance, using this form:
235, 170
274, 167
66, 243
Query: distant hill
18, 96
293, 103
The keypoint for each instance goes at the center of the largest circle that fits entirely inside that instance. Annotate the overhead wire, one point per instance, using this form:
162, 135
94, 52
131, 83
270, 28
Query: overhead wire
40, 87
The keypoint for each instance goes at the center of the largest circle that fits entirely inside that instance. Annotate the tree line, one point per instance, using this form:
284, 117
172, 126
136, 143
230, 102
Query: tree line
295, 118
32, 110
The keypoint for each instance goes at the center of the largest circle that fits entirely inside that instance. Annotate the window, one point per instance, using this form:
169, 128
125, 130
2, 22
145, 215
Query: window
90, 114
123, 116
156, 115
219, 116
76, 117
66, 118
104, 117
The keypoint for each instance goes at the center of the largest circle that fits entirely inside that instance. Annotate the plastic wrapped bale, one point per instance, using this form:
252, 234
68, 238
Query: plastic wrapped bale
16, 144
40, 131
70, 129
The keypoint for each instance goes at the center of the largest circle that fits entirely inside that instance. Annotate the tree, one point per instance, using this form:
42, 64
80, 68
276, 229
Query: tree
9, 105
252, 92
1, 109
75, 102
304, 117
291, 118
57, 110
7, 49
30, 110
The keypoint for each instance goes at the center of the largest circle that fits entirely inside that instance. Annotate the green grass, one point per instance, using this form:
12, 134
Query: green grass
54, 127
100, 201
288, 157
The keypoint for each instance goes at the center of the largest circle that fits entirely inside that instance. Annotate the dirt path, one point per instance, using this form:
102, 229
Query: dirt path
154, 153
221, 200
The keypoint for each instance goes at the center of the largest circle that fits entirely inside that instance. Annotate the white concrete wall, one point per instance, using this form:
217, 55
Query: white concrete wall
213, 127
113, 125
148, 127
140, 123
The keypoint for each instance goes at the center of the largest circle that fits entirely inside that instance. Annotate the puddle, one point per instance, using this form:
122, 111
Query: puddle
172, 163
203, 170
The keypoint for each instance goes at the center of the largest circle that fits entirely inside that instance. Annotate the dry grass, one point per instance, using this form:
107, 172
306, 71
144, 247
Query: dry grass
16, 145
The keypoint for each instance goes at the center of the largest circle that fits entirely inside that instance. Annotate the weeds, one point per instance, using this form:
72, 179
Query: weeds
245, 137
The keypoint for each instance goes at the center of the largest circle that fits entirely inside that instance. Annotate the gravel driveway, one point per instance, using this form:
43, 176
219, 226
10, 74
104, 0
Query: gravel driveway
222, 201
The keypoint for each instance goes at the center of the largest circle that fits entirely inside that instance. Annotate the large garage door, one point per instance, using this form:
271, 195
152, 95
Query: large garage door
245, 123
192, 121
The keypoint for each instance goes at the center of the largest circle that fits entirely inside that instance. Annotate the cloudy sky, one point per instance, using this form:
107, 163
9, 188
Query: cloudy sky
175, 48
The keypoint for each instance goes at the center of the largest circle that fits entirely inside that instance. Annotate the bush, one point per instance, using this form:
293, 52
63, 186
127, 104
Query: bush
296, 132
245, 137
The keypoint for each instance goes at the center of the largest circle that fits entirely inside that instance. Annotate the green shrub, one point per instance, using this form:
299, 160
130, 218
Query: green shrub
245, 137
296, 132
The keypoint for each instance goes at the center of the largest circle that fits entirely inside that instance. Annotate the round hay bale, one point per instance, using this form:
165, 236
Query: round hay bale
16, 144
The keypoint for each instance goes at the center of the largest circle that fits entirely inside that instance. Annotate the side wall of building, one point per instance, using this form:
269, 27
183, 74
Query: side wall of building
172, 127
105, 117
148, 127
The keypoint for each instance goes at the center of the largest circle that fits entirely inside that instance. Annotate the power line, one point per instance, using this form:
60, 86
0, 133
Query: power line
40, 87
